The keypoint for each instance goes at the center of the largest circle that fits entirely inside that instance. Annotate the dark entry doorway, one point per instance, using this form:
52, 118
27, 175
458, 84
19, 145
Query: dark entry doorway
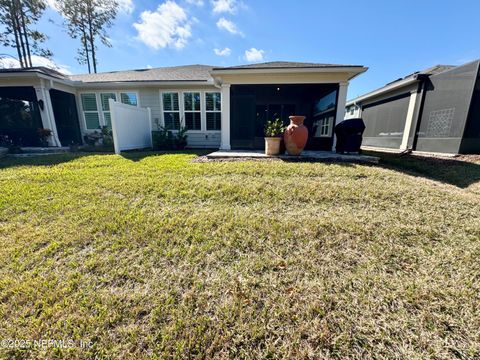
66, 117
253, 105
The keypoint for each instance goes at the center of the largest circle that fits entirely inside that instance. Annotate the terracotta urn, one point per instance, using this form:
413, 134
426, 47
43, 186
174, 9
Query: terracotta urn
295, 135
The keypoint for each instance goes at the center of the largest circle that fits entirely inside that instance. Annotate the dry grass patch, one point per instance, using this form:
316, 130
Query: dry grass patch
156, 255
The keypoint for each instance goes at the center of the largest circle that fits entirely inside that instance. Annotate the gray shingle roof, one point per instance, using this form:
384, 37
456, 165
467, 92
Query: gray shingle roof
404, 80
174, 73
429, 71
282, 65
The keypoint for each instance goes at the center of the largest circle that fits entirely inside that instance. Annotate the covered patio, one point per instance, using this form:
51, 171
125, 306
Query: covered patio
255, 105
253, 94
38, 98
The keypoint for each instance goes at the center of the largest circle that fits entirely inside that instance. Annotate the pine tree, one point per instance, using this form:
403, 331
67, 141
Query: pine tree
18, 18
88, 21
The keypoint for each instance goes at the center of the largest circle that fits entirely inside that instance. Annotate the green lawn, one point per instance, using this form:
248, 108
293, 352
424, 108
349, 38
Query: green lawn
152, 254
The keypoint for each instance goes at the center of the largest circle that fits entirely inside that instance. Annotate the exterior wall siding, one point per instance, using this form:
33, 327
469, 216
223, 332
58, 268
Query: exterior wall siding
151, 97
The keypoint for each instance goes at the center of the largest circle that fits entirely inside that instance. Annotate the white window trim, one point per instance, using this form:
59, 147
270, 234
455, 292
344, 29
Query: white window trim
98, 99
330, 120
181, 110
110, 110
136, 92
212, 111
201, 111
99, 111
163, 111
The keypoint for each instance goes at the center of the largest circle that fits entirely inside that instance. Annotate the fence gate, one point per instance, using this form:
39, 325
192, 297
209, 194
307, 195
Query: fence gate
131, 126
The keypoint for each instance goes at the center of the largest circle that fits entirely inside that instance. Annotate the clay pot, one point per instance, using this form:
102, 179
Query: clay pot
296, 135
272, 145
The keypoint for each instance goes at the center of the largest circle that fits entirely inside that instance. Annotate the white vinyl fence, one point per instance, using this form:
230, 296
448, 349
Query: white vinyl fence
131, 126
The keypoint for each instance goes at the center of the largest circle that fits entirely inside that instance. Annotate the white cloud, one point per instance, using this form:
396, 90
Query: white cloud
195, 2
229, 26
254, 55
52, 4
224, 6
10, 63
223, 52
167, 26
125, 6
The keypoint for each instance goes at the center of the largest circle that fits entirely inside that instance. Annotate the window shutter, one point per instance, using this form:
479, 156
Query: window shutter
89, 102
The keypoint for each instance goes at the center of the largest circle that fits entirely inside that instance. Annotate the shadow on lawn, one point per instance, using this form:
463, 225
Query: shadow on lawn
453, 171
40, 160
55, 159
140, 155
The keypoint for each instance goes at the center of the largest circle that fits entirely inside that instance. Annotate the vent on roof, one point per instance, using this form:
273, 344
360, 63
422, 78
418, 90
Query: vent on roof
141, 70
394, 81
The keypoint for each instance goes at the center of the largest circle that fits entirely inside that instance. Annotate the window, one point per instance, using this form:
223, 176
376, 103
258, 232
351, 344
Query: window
171, 111
213, 110
191, 103
104, 97
129, 98
324, 127
90, 111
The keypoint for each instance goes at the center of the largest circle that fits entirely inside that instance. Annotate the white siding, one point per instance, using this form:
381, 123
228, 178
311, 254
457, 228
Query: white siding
150, 97
204, 140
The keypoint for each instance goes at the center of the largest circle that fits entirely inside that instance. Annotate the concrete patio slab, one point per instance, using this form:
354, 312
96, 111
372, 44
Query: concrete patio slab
37, 151
305, 156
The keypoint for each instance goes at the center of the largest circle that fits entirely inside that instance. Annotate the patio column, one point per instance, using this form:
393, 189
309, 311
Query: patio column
48, 119
225, 139
341, 103
409, 120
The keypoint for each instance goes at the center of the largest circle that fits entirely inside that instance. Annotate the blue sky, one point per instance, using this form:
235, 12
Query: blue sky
392, 38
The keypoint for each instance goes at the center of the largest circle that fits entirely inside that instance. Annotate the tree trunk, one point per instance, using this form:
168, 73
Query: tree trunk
85, 46
91, 37
15, 33
25, 33
18, 26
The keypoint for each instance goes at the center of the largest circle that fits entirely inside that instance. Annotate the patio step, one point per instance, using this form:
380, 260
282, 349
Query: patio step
305, 156
36, 151
45, 150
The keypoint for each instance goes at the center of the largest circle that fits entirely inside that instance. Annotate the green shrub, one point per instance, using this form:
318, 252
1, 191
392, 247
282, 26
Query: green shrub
274, 128
164, 139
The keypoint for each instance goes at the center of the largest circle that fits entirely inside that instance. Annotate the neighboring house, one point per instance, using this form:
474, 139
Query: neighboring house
222, 107
352, 111
436, 110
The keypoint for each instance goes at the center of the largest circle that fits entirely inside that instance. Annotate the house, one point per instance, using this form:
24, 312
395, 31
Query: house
436, 110
222, 107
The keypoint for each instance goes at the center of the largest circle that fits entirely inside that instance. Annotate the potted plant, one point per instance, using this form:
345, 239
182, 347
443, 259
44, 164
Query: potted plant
44, 135
273, 136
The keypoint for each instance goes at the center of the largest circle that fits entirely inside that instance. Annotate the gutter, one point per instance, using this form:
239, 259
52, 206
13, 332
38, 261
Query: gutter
292, 70
116, 84
386, 89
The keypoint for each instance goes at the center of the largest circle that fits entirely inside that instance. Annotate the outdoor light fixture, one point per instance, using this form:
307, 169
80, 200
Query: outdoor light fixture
278, 89
40, 104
